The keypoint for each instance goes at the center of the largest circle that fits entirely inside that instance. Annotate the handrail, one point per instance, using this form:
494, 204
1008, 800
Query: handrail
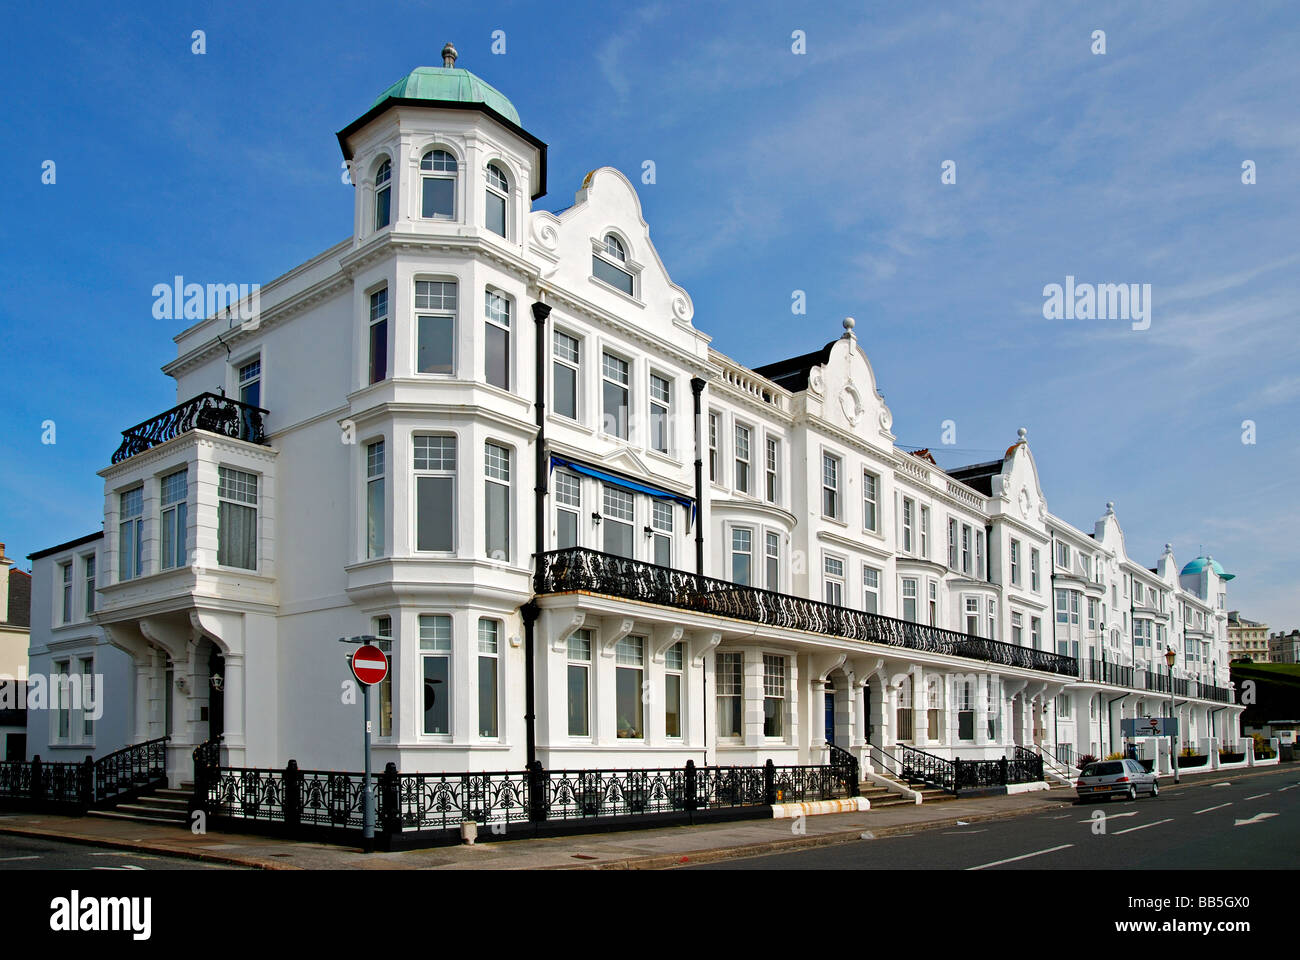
1056, 761
928, 768
135, 765
846, 765
580, 569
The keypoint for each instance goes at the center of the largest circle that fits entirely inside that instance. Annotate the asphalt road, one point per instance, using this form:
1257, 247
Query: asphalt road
1251, 823
38, 853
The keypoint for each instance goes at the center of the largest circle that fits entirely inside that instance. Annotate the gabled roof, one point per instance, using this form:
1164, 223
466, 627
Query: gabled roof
793, 373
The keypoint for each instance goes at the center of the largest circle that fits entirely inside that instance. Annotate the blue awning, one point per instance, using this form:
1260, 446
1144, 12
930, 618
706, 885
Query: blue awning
635, 486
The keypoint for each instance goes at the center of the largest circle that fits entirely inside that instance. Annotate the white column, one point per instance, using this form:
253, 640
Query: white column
233, 706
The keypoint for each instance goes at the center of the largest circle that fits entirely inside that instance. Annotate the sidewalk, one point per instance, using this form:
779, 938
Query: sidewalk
630, 850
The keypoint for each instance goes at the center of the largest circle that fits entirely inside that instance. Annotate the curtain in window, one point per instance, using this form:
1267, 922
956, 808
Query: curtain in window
236, 535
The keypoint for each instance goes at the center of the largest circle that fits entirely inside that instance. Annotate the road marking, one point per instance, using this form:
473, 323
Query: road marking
1224, 784
1143, 826
127, 866
1112, 816
1219, 807
1023, 856
1287, 787
10, 859
1257, 796
962, 833
1257, 818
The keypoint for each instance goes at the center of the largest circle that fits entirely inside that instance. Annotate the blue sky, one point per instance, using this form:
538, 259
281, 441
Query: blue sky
774, 172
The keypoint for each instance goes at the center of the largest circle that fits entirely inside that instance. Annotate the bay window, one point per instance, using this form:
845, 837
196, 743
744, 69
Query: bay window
130, 534
773, 559
730, 684
568, 508
773, 696
438, 170
909, 599
579, 683
383, 194
378, 335
661, 524
494, 199
496, 340
741, 555
674, 660
616, 518
489, 639
375, 499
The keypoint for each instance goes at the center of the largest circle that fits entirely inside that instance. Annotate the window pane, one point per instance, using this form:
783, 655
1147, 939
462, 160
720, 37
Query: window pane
578, 701
629, 706
379, 351
497, 346
383, 208
436, 695
439, 198
236, 535
566, 390
434, 513
604, 270
487, 696
618, 538
496, 213
566, 529
663, 550
672, 705
498, 520
435, 347
375, 518
615, 409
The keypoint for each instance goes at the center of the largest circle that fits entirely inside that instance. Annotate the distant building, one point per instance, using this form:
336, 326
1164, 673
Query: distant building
1247, 639
15, 627
1284, 647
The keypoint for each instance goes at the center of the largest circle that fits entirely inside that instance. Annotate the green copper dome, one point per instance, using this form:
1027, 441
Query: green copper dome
449, 85
1200, 563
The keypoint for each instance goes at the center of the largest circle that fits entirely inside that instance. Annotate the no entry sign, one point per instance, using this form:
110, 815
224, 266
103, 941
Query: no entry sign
369, 665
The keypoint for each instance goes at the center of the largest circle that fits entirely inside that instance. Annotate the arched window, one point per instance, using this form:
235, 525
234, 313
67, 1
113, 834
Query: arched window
608, 265
438, 187
383, 195
498, 189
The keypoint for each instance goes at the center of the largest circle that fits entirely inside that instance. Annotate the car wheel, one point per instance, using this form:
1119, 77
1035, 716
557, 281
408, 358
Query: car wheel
1132, 793
1155, 788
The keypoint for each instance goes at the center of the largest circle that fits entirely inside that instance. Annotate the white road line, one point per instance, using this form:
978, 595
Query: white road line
10, 859
1224, 784
1257, 796
1112, 816
1219, 807
1287, 787
962, 833
1023, 856
1257, 818
1143, 826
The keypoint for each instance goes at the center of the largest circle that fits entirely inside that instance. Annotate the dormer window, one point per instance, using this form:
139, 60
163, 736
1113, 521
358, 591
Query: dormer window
498, 189
383, 195
608, 264
438, 185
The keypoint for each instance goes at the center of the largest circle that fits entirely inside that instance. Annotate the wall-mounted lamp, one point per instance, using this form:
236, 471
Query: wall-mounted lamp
216, 682
649, 532
595, 518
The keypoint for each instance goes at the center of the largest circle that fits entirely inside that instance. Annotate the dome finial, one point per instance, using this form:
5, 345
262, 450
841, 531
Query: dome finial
1110, 506
848, 326
1022, 433
448, 55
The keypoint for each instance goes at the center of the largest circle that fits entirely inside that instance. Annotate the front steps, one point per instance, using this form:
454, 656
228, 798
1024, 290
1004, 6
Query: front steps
929, 794
881, 797
161, 805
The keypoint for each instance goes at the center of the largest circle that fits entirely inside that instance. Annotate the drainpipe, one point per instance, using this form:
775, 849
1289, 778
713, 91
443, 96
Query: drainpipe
541, 312
697, 387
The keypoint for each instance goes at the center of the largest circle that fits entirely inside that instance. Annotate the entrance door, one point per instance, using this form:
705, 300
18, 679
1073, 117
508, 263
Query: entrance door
830, 715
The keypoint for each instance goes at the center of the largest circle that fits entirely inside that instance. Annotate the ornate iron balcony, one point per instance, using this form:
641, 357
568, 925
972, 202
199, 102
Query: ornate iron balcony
207, 411
574, 569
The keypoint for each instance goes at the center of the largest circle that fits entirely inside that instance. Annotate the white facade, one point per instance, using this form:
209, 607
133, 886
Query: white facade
394, 495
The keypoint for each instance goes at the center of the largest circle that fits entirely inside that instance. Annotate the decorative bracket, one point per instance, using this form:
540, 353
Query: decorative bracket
664, 637
706, 643
613, 629
560, 642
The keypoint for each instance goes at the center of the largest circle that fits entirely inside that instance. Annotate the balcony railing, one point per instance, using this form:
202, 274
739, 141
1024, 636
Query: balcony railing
1119, 675
578, 569
207, 411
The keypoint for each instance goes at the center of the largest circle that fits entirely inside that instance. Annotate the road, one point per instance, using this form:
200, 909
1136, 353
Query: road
1247, 823
38, 853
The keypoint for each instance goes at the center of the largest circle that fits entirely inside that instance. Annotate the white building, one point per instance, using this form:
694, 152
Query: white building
493, 436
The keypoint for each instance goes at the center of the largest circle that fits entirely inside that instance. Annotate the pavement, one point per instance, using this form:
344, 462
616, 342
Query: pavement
646, 849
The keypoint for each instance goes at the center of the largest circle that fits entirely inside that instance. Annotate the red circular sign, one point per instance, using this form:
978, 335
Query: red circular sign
369, 665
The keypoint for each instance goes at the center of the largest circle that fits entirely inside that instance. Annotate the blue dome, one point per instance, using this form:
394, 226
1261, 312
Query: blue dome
1198, 565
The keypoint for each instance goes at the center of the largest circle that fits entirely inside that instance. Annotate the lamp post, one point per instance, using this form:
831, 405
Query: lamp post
1170, 656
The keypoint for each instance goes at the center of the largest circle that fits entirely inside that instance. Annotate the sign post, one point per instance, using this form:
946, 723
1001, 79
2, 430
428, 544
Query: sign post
369, 666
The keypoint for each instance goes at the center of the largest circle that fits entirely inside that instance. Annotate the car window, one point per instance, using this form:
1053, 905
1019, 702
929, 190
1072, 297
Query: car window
1103, 769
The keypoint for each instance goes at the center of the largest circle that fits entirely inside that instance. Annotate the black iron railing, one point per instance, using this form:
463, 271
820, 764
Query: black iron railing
917, 766
1103, 671
130, 768
406, 802
579, 569
1119, 675
207, 411
41, 783
845, 764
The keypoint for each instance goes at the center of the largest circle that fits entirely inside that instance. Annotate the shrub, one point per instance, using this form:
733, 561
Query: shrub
1084, 759
1117, 755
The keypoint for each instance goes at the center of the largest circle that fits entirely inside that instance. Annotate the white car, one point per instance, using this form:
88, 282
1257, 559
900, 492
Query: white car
1115, 778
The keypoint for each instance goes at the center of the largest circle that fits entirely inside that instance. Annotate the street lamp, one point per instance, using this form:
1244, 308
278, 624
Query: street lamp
1170, 656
